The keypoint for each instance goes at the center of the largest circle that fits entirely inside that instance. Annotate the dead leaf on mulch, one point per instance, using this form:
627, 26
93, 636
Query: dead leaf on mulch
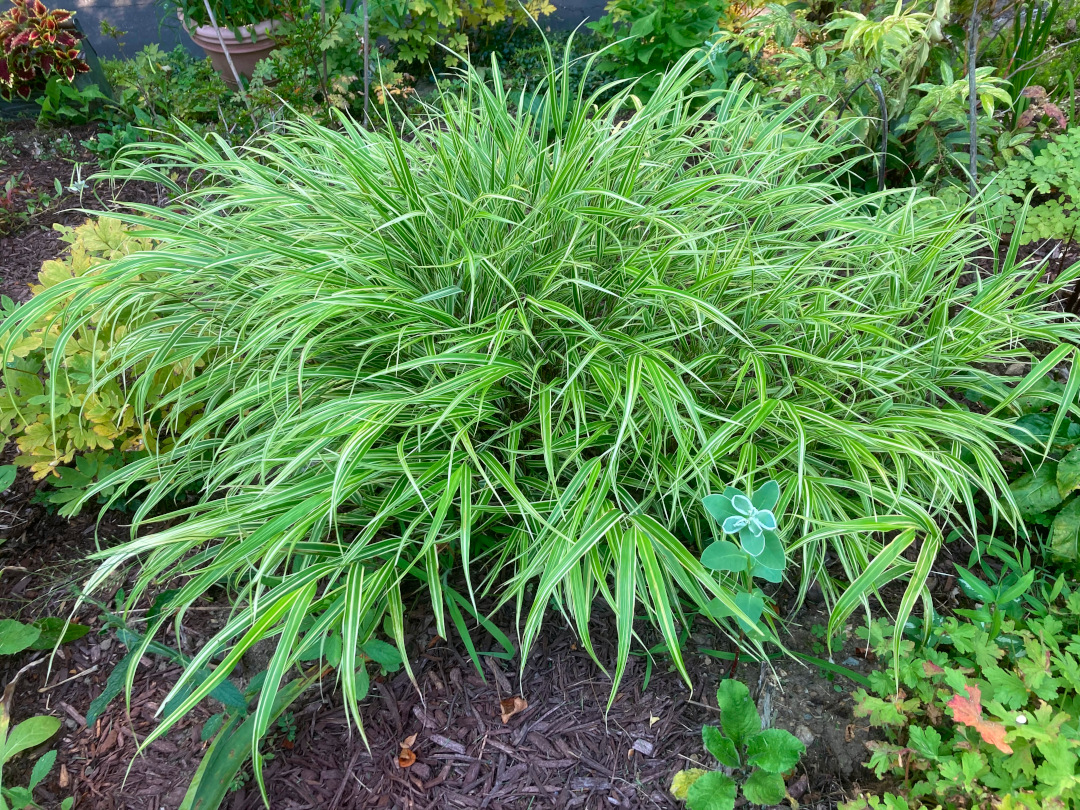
512, 706
407, 757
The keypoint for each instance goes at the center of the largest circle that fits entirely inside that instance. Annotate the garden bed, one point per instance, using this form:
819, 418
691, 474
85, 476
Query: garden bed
562, 750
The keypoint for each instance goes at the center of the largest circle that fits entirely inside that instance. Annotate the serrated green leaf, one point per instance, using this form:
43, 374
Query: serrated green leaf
7, 476
712, 791
774, 750
721, 747
41, 769
764, 788
738, 715
926, 742
211, 726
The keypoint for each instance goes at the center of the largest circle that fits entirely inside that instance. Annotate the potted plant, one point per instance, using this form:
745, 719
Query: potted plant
35, 44
236, 30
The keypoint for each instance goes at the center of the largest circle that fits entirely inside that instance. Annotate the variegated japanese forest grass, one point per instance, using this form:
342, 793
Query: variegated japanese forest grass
522, 342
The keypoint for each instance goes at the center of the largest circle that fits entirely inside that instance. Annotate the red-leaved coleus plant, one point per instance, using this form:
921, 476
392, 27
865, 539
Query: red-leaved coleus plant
33, 45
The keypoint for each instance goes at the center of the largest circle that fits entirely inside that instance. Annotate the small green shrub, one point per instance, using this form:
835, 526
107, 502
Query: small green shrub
647, 37
417, 30
49, 404
1054, 177
986, 712
757, 757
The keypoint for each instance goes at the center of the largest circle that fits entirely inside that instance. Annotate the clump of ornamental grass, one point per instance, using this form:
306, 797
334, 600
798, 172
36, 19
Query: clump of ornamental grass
506, 351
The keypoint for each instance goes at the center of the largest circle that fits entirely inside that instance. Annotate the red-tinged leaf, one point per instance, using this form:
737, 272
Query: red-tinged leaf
930, 668
968, 712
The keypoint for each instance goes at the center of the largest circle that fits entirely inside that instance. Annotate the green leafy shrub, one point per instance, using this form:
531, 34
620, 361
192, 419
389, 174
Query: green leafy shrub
510, 351
838, 60
647, 37
49, 403
416, 30
1054, 177
986, 712
758, 757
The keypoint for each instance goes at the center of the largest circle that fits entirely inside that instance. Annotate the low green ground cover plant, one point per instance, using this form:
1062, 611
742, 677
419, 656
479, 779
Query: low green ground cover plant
982, 709
1053, 176
758, 757
511, 351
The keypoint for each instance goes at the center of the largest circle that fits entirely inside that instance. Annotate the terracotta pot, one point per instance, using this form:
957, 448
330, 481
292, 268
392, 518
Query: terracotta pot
244, 52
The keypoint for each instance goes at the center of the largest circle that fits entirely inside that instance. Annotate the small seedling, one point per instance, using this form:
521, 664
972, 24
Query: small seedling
759, 553
758, 758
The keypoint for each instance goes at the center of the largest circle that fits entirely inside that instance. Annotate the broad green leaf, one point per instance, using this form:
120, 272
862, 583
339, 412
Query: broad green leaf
719, 506
712, 791
764, 788
774, 750
54, 629
724, 555
643, 26
721, 747
738, 715
753, 544
766, 496
772, 555
1037, 492
16, 636
1068, 472
29, 733
7, 476
1065, 533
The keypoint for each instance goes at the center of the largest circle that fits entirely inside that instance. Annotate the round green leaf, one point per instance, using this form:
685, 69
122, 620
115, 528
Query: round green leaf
753, 544
719, 506
752, 605
774, 750
772, 555
712, 791
764, 572
724, 556
767, 496
764, 788
16, 636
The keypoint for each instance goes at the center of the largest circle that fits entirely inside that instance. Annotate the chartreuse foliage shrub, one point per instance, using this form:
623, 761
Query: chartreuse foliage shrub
50, 402
509, 352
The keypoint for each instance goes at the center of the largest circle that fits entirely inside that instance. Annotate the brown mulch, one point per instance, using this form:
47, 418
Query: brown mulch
40, 157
